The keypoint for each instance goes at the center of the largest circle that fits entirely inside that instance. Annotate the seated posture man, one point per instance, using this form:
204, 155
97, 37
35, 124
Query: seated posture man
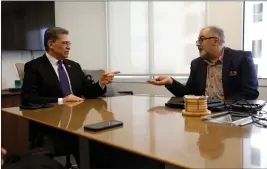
53, 78
219, 72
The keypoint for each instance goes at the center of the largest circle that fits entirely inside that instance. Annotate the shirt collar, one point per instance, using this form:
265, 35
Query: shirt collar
52, 60
219, 61
221, 57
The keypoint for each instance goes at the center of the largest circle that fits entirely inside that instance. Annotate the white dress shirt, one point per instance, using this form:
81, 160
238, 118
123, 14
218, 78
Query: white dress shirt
54, 63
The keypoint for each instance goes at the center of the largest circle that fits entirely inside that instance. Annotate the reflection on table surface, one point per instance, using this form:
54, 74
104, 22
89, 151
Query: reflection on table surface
159, 132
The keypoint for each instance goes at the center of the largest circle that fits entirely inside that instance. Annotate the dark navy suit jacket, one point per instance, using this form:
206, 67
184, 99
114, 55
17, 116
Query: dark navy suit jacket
239, 77
41, 84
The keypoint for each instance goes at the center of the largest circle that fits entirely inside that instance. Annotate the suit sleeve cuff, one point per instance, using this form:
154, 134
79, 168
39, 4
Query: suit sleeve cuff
102, 86
60, 101
170, 85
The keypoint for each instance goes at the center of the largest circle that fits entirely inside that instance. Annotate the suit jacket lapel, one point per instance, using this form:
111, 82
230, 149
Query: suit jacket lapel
50, 72
203, 76
226, 66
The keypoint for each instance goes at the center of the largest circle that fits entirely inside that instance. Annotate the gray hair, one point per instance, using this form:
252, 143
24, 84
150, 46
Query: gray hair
217, 31
52, 34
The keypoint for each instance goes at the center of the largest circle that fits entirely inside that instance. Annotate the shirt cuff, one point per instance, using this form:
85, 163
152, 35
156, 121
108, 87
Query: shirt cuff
101, 85
60, 100
169, 85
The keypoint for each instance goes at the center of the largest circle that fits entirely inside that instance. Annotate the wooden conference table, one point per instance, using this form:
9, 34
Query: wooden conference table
157, 132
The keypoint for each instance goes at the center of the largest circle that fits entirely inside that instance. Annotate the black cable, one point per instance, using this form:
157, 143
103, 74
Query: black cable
258, 116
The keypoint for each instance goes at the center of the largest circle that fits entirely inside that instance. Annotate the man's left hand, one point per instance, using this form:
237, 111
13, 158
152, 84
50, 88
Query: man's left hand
3, 153
107, 78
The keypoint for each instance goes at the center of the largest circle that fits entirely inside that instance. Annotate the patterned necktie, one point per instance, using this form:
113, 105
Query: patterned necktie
63, 78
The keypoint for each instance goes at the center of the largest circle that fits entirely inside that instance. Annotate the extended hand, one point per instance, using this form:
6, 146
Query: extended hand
107, 78
161, 80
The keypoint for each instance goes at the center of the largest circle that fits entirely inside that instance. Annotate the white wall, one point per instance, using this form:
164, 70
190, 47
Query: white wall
9, 71
228, 16
86, 22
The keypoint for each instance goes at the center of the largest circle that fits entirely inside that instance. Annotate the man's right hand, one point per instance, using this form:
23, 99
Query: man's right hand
161, 80
72, 98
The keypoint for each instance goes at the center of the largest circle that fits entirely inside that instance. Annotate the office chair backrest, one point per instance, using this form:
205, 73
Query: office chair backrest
20, 69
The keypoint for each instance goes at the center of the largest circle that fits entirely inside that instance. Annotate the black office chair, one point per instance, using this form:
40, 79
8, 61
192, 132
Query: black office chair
37, 147
69, 165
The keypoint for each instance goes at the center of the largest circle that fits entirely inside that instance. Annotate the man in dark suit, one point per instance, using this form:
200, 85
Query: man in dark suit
219, 72
52, 78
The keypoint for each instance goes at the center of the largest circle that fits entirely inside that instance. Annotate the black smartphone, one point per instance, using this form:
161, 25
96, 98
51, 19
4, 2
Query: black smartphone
103, 125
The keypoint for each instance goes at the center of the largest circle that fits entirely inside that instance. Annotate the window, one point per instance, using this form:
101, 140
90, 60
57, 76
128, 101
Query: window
256, 67
257, 12
255, 34
256, 48
147, 37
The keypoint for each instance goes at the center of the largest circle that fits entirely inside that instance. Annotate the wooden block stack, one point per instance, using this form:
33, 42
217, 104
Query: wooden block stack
195, 106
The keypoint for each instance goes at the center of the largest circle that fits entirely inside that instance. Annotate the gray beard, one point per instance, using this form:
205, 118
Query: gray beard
204, 55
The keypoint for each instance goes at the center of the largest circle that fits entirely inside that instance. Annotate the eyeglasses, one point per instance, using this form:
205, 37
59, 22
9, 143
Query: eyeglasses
201, 39
65, 43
